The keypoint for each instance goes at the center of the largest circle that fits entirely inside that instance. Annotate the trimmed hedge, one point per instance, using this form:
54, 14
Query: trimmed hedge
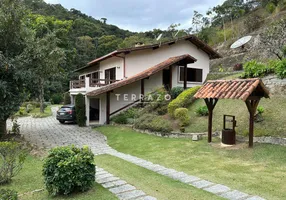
69, 169
153, 122
182, 115
182, 101
67, 98
80, 110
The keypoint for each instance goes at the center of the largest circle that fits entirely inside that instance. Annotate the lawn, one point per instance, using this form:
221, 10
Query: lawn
36, 113
273, 124
150, 182
30, 179
259, 171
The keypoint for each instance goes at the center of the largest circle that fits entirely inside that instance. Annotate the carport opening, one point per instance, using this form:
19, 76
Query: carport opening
94, 110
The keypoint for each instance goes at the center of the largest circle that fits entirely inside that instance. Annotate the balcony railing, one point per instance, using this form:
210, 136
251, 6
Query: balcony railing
92, 83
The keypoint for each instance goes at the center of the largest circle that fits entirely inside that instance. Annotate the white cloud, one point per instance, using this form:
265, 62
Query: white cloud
141, 15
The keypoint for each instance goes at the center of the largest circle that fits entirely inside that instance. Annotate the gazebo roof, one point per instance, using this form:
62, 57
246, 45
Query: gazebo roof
232, 89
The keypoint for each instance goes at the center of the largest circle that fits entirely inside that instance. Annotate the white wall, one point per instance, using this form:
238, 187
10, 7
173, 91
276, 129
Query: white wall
111, 63
138, 61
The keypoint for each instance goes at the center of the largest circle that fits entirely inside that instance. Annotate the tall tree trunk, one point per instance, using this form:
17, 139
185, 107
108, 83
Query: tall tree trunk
41, 96
3, 127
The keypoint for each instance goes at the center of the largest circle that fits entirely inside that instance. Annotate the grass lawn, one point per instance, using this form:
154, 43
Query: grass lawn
259, 171
150, 182
30, 179
273, 124
36, 113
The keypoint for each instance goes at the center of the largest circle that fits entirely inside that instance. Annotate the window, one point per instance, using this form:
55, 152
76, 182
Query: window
94, 78
110, 75
193, 74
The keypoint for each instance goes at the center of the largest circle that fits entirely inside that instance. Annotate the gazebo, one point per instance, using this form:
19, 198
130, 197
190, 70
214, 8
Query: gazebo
248, 90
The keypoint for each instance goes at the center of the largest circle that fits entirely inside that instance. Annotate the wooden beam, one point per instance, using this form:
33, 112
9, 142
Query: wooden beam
107, 107
171, 77
211, 103
142, 91
185, 76
124, 107
251, 105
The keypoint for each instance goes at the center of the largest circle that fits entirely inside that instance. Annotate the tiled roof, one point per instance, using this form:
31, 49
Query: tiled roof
232, 89
192, 38
144, 74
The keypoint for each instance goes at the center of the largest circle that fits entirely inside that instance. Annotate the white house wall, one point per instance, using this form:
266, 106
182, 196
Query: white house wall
111, 63
138, 61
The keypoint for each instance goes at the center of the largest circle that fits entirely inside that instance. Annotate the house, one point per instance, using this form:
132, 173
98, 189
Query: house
119, 79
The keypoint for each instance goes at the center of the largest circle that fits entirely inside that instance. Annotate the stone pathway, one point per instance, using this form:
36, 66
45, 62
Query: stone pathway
48, 133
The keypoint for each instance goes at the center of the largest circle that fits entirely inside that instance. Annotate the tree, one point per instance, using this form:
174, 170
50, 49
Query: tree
197, 20
107, 44
274, 40
11, 91
12, 42
42, 58
86, 50
104, 20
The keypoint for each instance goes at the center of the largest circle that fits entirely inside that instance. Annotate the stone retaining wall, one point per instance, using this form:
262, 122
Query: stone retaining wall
275, 85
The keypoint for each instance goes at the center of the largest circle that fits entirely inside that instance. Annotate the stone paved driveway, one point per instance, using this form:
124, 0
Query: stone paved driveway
48, 132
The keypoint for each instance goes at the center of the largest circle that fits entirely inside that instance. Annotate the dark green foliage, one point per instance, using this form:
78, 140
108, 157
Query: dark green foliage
69, 169
202, 111
67, 98
57, 99
183, 116
175, 91
13, 156
254, 68
11, 91
154, 123
80, 110
183, 100
8, 194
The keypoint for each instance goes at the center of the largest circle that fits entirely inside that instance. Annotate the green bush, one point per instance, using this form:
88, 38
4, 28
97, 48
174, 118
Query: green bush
123, 117
80, 110
260, 110
270, 7
56, 99
176, 91
280, 68
67, 98
153, 123
8, 194
13, 156
182, 115
202, 111
69, 169
254, 69
183, 100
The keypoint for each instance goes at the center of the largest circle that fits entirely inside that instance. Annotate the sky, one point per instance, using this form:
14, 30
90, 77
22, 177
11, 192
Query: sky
141, 15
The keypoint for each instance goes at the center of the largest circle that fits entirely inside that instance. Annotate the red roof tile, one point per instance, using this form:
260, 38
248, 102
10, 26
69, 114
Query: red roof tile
232, 89
144, 74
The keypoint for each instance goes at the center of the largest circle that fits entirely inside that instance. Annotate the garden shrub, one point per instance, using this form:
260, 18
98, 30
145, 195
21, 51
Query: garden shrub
80, 110
123, 117
202, 111
176, 91
182, 115
162, 110
254, 69
183, 100
260, 110
13, 156
8, 194
153, 122
69, 169
280, 68
15, 126
56, 99
67, 98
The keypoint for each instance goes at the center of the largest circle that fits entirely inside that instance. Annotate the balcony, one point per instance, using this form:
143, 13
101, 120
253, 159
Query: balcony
90, 83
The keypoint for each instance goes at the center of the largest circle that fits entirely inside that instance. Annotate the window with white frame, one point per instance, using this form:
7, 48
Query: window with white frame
193, 74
